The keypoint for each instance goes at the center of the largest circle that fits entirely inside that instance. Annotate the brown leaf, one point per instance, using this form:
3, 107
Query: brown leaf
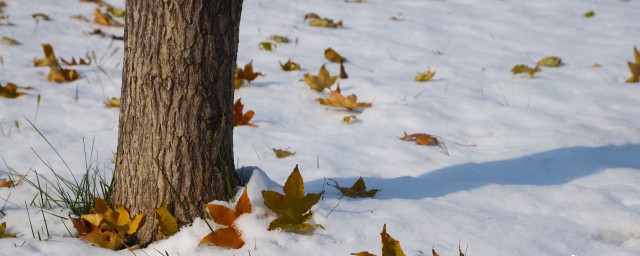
168, 224
390, 246
225, 216
224, 237
421, 139
240, 118
337, 100
6, 183
365, 253
10, 91
281, 153
634, 67
82, 225
290, 66
334, 56
10, 41
247, 73
321, 81
359, 189
106, 239
56, 73
3, 231
105, 19
73, 62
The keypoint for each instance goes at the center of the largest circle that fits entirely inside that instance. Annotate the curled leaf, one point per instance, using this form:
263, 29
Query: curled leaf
267, 46
521, 68
104, 239
321, 81
349, 119
550, 61
281, 153
225, 216
83, 226
279, 39
168, 224
41, 16
390, 246
337, 100
105, 19
290, 66
112, 103
56, 73
10, 91
334, 56
3, 231
73, 62
343, 73
424, 76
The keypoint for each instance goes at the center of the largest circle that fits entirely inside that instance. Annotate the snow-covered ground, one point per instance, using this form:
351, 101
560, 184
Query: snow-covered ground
555, 170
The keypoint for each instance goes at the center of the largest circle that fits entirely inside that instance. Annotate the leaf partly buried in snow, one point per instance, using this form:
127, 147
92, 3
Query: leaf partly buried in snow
6, 183
334, 56
320, 82
422, 139
365, 253
105, 19
634, 67
550, 62
267, 46
316, 21
83, 226
424, 76
294, 207
240, 118
167, 222
229, 236
3, 231
245, 74
104, 239
224, 237
290, 66
56, 73
112, 103
521, 68
337, 100
349, 119
10, 91
282, 153
359, 189
10, 41
73, 62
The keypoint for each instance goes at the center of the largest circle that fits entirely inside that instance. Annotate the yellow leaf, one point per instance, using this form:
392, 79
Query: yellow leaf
349, 119
337, 100
634, 67
105, 19
390, 246
424, 76
279, 39
94, 219
10, 41
106, 239
6, 183
359, 189
56, 73
3, 231
267, 46
112, 103
290, 66
118, 12
321, 81
518, 69
333, 56
240, 118
550, 61
365, 253
281, 153
224, 237
10, 91
294, 207
589, 14
168, 224
324, 22
40, 15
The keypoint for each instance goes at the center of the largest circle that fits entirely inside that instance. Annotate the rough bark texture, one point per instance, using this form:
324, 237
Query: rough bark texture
176, 115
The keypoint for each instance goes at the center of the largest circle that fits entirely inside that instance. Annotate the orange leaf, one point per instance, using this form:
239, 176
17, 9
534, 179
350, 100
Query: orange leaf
390, 246
239, 118
83, 226
6, 183
337, 100
105, 19
225, 216
247, 73
106, 239
224, 237
421, 139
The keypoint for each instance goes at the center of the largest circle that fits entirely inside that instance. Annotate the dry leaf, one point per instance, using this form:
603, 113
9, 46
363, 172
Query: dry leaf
334, 56
224, 237
245, 74
118, 12
337, 100
10, 91
73, 61
168, 224
550, 62
105, 218
290, 66
343, 73
434, 253
518, 69
239, 118
365, 253
267, 46
279, 39
390, 246
589, 14
229, 236
294, 207
359, 189
424, 76
104, 239
83, 226
105, 19
281, 153
112, 103
3, 231
56, 73
40, 15
6, 183
421, 139
10, 41
349, 119
634, 67
316, 21
596, 65
321, 81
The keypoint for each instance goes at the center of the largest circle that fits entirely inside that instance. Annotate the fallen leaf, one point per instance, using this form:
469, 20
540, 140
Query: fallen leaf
337, 100
281, 153
294, 207
10, 91
321, 81
240, 118
112, 103
589, 14
83, 226
56, 73
225, 216
596, 65
634, 67
267, 46
104, 239
359, 189
105, 218
290, 66
10, 41
105, 19
279, 39
246, 74
421, 139
40, 15
424, 76
80, 18
6, 183
365, 253
3, 231
73, 62
349, 119
390, 246
434, 253
224, 237
118, 12
550, 62
334, 56
343, 73
518, 69
168, 224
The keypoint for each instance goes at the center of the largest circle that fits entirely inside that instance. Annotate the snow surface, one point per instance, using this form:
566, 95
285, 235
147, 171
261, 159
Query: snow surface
555, 171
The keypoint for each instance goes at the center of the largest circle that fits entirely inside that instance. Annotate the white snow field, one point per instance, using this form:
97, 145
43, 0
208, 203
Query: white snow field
556, 169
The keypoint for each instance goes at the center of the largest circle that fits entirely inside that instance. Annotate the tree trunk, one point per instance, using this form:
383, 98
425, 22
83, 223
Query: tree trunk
176, 117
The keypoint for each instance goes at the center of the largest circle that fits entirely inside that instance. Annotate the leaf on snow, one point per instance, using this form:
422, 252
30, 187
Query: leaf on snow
10, 41
390, 246
282, 153
56, 73
634, 67
6, 183
240, 118
229, 236
365, 253
3, 231
10, 91
334, 56
550, 62
294, 207
316, 21
321, 81
105, 19
424, 76
359, 189
279, 39
343, 72
104, 239
245, 74
521, 68
337, 100
224, 237
290, 66
73, 61
168, 224
267, 46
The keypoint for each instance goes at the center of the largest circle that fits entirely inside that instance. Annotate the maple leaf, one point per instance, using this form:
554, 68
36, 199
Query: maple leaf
104, 239
390, 246
634, 67
550, 62
424, 76
56, 73
3, 231
105, 19
359, 189
294, 207
107, 219
229, 236
521, 68
239, 118
83, 226
10, 91
334, 56
168, 224
337, 100
73, 62
424, 139
321, 81
247, 73
290, 66
281, 153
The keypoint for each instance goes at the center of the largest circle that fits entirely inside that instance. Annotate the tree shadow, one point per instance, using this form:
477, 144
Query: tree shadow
547, 168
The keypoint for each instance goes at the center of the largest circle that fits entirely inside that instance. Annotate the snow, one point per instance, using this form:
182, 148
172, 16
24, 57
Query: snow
554, 172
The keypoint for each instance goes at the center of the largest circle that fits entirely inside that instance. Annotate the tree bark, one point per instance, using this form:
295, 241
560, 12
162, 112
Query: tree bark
176, 117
